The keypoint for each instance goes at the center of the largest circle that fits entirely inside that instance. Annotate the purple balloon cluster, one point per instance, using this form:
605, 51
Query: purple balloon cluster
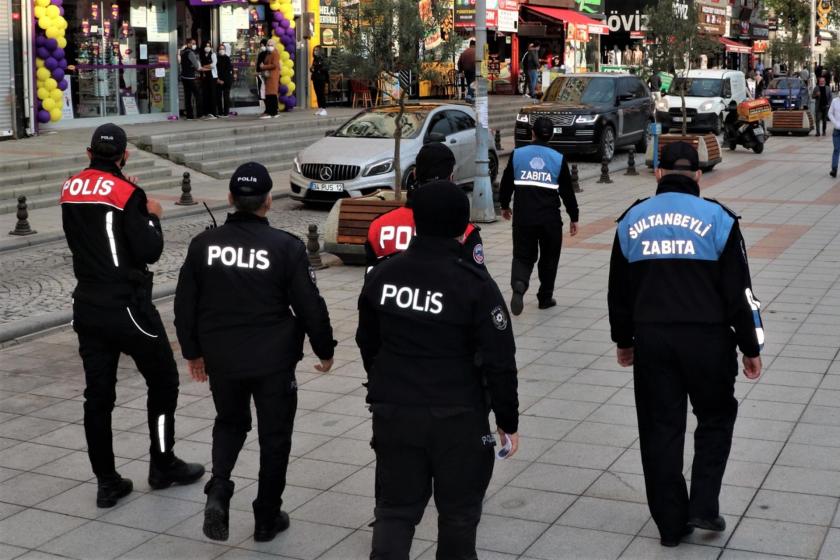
286, 34
47, 49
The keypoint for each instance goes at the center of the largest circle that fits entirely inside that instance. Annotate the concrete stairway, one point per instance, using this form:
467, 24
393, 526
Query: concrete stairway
218, 151
40, 179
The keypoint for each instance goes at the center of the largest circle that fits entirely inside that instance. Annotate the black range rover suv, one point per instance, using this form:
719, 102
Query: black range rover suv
593, 113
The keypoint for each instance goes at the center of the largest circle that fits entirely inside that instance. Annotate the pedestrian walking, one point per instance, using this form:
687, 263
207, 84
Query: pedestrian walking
466, 65
114, 232
822, 101
189, 72
391, 233
424, 316
224, 82
259, 72
271, 74
245, 297
209, 79
834, 117
680, 301
536, 178
530, 65
320, 79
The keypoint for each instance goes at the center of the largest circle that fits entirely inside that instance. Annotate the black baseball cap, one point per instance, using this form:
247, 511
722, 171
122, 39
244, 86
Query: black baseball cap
679, 156
435, 161
108, 141
250, 179
441, 209
543, 128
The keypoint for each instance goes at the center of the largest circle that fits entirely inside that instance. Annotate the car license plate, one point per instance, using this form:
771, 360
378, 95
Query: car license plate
558, 130
326, 187
680, 119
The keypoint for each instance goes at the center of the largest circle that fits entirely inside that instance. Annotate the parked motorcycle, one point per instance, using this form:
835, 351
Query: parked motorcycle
744, 125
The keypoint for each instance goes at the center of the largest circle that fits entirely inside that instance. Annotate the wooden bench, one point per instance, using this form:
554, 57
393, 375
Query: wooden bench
791, 122
354, 218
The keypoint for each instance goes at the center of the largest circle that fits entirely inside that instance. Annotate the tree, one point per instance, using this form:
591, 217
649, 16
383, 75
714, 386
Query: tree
679, 42
383, 40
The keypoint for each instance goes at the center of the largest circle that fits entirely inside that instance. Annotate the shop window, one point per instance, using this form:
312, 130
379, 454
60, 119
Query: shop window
241, 29
120, 55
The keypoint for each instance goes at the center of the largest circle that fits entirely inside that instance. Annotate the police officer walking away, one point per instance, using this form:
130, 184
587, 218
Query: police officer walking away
114, 232
680, 300
245, 298
424, 315
391, 232
537, 177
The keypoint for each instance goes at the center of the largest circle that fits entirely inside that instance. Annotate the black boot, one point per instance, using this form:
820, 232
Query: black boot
717, 523
111, 489
216, 512
547, 303
268, 523
833, 172
516, 303
163, 473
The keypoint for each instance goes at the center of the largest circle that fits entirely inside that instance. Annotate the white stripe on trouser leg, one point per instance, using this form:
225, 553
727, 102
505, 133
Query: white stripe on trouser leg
161, 429
130, 316
109, 229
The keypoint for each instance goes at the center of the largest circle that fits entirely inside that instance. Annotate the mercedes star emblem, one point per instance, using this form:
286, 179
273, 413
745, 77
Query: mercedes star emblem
326, 173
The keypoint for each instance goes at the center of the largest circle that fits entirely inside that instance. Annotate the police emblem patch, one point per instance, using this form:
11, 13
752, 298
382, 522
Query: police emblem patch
478, 254
312, 276
499, 318
537, 163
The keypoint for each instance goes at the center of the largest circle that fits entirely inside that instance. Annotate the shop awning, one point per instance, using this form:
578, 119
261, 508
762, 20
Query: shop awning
734, 46
570, 16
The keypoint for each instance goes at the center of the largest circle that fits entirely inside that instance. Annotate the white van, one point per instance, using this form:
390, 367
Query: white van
707, 99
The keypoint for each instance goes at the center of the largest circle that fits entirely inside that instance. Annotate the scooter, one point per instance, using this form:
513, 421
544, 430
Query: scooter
750, 135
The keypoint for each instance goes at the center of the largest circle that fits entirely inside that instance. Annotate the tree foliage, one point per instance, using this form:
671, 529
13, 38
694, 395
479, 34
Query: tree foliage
383, 40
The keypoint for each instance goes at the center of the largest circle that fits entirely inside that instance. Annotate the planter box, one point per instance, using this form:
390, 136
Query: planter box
707, 146
799, 123
346, 228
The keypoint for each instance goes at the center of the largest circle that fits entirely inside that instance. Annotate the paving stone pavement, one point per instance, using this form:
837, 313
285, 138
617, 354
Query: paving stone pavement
575, 489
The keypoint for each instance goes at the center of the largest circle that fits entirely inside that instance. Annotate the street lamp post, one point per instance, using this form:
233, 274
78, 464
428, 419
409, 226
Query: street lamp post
483, 210
813, 35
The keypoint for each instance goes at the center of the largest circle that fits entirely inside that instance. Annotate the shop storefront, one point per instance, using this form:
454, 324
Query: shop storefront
7, 91
570, 42
625, 47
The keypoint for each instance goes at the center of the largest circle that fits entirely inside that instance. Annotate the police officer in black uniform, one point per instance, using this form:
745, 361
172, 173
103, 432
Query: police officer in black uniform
680, 301
391, 232
424, 316
537, 177
114, 232
245, 298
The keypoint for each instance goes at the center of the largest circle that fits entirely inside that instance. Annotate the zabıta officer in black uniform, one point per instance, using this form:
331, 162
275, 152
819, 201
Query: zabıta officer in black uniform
114, 232
680, 301
537, 177
424, 316
245, 298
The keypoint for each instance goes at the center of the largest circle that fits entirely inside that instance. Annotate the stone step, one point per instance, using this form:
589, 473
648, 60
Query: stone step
24, 164
241, 150
53, 186
47, 198
50, 171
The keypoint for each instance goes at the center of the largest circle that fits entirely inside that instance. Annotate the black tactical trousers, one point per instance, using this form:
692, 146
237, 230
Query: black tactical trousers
672, 362
275, 398
420, 452
531, 242
104, 333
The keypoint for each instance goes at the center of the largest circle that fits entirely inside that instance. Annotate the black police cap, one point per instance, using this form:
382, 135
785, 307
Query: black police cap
441, 209
108, 141
250, 179
434, 161
543, 128
679, 156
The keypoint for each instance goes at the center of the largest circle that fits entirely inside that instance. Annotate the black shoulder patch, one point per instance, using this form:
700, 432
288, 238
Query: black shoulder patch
726, 208
638, 201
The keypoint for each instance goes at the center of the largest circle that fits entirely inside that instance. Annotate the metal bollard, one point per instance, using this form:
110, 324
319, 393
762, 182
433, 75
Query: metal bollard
605, 171
186, 191
313, 248
575, 179
631, 162
498, 139
22, 226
